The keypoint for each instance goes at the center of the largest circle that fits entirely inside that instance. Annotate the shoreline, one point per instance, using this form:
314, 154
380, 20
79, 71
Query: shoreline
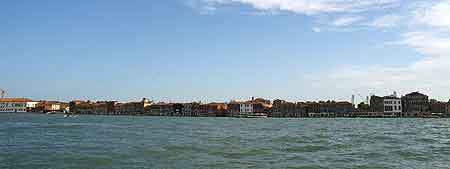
346, 117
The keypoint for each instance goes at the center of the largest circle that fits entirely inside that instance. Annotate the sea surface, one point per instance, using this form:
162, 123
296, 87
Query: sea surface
32, 141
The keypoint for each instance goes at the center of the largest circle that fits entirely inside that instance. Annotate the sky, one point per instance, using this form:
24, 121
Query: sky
219, 50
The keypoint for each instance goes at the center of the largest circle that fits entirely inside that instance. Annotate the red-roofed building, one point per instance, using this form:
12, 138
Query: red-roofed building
12, 105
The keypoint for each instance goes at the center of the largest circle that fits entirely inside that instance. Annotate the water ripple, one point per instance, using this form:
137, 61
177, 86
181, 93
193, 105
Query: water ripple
41, 142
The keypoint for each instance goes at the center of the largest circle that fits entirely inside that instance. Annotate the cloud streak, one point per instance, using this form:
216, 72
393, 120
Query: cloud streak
347, 20
311, 7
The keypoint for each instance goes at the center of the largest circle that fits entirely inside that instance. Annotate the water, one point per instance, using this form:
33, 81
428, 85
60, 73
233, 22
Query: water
105, 142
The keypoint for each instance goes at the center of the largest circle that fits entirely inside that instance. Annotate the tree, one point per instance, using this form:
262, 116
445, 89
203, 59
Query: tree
363, 106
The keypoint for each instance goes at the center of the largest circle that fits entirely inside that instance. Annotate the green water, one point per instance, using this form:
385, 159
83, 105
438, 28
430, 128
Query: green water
30, 141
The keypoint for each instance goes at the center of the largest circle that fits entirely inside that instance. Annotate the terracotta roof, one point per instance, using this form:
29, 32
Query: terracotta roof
15, 100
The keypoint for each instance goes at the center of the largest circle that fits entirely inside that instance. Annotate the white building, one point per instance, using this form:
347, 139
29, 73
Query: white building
246, 107
11, 105
53, 107
392, 105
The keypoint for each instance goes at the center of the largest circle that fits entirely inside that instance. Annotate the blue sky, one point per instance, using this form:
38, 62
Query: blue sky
217, 50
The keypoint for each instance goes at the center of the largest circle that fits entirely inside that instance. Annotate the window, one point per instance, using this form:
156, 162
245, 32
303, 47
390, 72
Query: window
388, 108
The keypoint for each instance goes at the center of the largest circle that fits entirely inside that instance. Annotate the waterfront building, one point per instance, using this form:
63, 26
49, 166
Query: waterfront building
48, 106
95, 108
300, 110
191, 109
438, 108
312, 109
376, 104
387, 106
415, 104
104, 108
216, 109
133, 108
262, 101
282, 108
245, 108
392, 106
234, 108
335, 109
203, 110
161, 109
17, 105
81, 107
177, 109
262, 106
447, 110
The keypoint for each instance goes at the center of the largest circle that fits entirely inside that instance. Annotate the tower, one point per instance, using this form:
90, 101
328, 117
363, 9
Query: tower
3, 93
353, 100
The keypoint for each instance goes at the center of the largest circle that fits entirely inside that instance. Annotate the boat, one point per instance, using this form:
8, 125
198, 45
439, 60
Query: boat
69, 116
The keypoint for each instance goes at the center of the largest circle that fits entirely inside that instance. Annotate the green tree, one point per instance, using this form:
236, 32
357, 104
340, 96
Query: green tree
363, 106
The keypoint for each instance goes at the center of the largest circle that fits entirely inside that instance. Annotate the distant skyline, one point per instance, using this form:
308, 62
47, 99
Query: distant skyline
217, 50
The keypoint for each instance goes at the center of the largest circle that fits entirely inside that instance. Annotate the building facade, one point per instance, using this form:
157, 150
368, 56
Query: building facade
447, 110
216, 109
387, 106
438, 108
191, 109
13, 105
133, 108
282, 108
392, 106
376, 104
312, 109
234, 108
161, 109
415, 104
259, 106
48, 106
81, 107
334, 109
94, 108
245, 107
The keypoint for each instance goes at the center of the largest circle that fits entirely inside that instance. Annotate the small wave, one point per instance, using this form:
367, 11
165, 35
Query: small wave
242, 154
311, 166
306, 149
176, 149
412, 155
293, 140
99, 160
64, 126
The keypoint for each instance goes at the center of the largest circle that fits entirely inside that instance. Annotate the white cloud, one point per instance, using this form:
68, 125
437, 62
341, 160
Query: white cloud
438, 15
426, 74
311, 7
339, 10
427, 43
386, 21
347, 20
